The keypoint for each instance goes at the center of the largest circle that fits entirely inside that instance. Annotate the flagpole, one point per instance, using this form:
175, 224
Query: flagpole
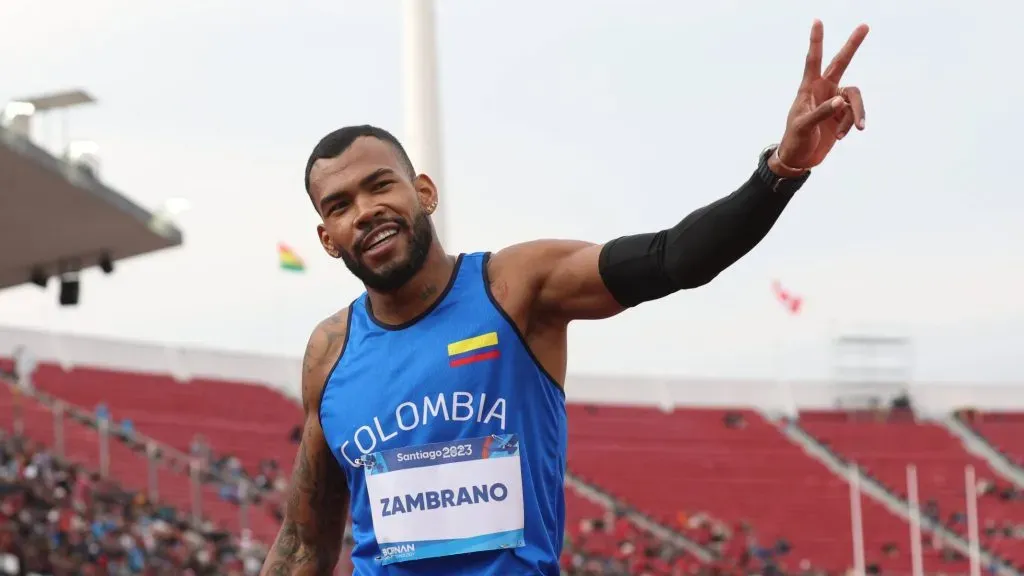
781, 338
288, 263
857, 520
970, 489
780, 367
915, 522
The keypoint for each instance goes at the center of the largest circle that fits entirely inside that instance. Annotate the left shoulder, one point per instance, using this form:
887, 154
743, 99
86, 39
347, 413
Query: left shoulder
523, 282
530, 263
555, 280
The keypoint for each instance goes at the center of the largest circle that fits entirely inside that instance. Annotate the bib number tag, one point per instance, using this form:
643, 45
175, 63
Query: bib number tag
446, 498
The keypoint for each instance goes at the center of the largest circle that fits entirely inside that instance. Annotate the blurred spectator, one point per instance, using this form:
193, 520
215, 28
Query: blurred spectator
890, 549
199, 448
902, 403
127, 430
269, 471
56, 518
734, 420
969, 415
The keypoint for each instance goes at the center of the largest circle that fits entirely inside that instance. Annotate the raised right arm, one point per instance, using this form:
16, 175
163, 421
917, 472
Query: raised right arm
310, 538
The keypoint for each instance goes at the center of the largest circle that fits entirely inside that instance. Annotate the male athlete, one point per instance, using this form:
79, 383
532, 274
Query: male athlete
435, 416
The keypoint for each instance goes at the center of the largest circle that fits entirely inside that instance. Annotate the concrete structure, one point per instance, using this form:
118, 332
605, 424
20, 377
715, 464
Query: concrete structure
44, 197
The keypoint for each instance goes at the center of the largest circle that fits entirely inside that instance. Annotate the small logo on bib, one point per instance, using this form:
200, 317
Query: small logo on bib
396, 553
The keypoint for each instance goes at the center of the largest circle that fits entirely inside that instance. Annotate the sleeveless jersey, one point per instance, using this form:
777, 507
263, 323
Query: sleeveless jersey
452, 438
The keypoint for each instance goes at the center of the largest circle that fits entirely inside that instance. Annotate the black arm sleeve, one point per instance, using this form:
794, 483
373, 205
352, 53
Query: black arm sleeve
646, 267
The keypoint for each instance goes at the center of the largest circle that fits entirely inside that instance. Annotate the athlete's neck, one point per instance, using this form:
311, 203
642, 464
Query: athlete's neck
417, 294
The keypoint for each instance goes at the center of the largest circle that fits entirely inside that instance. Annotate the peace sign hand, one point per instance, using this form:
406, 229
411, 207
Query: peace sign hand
823, 112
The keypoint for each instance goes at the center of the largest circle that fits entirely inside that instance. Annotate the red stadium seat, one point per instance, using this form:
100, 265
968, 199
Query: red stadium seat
884, 447
1005, 432
131, 469
662, 464
689, 461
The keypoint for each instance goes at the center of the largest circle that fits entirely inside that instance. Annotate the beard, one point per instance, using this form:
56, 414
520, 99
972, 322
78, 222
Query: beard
396, 273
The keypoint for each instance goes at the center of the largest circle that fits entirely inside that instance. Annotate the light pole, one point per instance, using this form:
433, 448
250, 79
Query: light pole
422, 99
20, 111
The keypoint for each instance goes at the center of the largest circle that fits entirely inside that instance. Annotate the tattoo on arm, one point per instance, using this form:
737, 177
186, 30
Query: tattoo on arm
325, 340
310, 538
309, 542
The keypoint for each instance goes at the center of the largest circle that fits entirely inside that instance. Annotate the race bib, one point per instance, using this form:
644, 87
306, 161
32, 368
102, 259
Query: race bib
446, 498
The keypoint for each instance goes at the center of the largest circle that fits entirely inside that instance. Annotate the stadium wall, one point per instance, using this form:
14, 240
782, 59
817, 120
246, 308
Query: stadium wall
282, 373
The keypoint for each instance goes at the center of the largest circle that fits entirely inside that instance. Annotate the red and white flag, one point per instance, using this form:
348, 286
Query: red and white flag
791, 301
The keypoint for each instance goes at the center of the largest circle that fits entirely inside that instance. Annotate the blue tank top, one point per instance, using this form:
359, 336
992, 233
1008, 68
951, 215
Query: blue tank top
452, 438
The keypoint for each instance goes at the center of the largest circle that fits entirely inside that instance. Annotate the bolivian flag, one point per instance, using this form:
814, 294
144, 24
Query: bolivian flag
289, 260
475, 349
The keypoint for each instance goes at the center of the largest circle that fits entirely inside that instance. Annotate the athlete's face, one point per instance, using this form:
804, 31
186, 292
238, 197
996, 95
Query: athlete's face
372, 212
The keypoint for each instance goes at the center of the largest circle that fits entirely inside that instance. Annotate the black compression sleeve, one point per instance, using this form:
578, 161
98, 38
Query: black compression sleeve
646, 267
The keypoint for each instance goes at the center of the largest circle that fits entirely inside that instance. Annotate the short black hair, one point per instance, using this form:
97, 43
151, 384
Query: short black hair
336, 143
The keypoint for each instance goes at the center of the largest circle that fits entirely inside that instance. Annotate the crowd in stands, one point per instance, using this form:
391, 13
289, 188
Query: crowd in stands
737, 551
737, 548
60, 519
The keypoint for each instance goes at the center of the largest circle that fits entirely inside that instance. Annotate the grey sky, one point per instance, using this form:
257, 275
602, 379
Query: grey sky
575, 119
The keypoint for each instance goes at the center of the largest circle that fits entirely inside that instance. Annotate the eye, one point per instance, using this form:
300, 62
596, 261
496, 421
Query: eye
338, 207
382, 185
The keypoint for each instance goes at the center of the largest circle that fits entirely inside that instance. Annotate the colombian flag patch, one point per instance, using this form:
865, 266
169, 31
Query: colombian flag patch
475, 349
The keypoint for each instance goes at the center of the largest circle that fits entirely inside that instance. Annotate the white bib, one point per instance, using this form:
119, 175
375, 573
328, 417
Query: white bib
446, 498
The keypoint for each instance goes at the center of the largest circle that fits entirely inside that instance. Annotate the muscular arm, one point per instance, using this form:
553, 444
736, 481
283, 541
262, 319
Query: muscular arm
577, 280
310, 538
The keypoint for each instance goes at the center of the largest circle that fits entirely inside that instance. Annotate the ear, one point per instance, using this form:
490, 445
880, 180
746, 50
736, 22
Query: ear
426, 192
326, 242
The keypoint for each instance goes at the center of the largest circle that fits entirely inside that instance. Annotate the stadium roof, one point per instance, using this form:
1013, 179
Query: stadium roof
58, 100
56, 217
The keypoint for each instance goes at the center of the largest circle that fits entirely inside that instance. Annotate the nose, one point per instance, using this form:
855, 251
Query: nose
366, 211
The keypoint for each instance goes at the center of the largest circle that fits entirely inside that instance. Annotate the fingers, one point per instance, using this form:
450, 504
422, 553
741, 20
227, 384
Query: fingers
838, 66
835, 106
812, 66
845, 122
852, 95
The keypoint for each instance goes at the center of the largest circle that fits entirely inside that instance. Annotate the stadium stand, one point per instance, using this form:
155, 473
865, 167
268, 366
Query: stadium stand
169, 411
1002, 430
131, 467
737, 466
885, 446
109, 226
60, 518
250, 422
745, 497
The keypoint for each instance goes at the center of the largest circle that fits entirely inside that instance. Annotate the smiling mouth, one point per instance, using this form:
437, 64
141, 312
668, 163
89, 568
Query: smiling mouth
379, 236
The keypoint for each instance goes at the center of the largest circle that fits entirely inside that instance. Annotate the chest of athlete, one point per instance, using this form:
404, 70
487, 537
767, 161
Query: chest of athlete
395, 390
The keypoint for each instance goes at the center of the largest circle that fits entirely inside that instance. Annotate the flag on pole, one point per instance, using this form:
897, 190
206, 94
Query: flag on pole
289, 260
792, 302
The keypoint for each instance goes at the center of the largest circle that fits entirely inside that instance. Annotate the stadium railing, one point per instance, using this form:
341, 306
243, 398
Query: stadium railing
158, 456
